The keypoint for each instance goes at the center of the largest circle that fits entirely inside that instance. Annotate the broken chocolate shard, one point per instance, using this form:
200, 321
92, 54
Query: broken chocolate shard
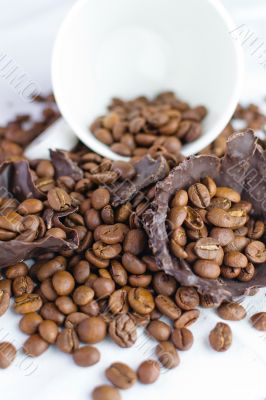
243, 168
64, 166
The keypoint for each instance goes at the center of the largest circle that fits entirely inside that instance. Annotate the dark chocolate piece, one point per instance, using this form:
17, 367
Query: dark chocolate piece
64, 166
243, 168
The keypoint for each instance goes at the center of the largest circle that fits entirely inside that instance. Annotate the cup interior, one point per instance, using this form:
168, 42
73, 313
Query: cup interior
126, 48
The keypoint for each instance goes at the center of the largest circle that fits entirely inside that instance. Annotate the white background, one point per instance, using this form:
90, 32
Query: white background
27, 31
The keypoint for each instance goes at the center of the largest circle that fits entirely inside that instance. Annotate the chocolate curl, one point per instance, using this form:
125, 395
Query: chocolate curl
243, 168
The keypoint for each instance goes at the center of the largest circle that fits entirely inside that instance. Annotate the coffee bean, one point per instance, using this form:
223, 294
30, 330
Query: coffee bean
104, 136
35, 346
246, 274
58, 199
30, 322
151, 263
207, 269
132, 264
22, 284
167, 355
179, 236
167, 307
182, 338
226, 219
63, 283
100, 198
103, 287
186, 319
122, 330
86, 356
207, 301
259, 321
48, 330
221, 337
230, 273
256, 252
193, 220
235, 259
118, 273
121, 375
223, 235
27, 303
4, 302
47, 290
19, 269
30, 206
83, 295
187, 298
118, 303
73, 319
148, 372
141, 300
199, 195
177, 216
207, 248
159, 330
231, 311
177, 250
81, 271
5, 285
67, 340
92, 330
255, 229
164, 284
220, 202
228, 193
105, 392
7, 354
110, 234
135, 242
106, 251
125, 170
238, 244
96, 261
49, 268
210, 185
50, 311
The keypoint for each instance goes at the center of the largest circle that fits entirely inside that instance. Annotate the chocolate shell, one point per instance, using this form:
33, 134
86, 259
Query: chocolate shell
243, 168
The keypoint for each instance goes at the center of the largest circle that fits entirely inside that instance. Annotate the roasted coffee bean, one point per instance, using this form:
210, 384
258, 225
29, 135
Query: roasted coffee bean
207, 301
47, 290
167, 355
45, 169
65, 305
56, 232
86, 356
141, 300
177, 250
164, 284
100, 198
49, 268
92, 330
67, 340
27, 303
159, 330
151, 263
110, 234
135, 242
238, 244
224, 236
235, 259
230, 273
226, 219
7, 354
118, 303
191, 256
81, 271
207, 269
121, 375
22, 284
73, 319
106, 251
59, 199
255, 229
30, 206
132, 264
182, 338
228, 193
106, 392
4, 302
187, 298
82, 295
125, 170
5, 285
118, 273
92, 219
199, 195
246, 274
210, 185
96, 261
177, 216
186, 319
140, 280
207, 248
103, 287
63, 283
30, 322
35, 346
221, 337
180, 199
122, 330
104, 135
148, 372
256, 252
167, 307
19, 269
231, 311
193, 219
220, 202
48, 330
179, 236
259, 321
50, 311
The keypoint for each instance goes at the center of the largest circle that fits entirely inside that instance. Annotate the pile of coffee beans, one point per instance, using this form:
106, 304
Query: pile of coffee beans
111, 285
140, 126
212, 229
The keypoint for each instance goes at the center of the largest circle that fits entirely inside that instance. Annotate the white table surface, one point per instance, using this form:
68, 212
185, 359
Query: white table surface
27, 31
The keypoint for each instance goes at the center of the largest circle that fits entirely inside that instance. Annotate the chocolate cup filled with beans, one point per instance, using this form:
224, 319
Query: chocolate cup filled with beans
142, 126
214, 231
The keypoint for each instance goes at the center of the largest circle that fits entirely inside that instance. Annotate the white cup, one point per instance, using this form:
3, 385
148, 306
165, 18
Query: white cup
126, 48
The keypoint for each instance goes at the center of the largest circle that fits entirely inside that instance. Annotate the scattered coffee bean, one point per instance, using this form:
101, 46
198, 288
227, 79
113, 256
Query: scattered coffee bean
231, 311
122, 330
92, 330
35, 346
221, 337
148, 372
48, 330
121, 375
167, 355
86, 356
187, 298
259, 321
159, 330
7, 354
182, 338
30, 322
106, 392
